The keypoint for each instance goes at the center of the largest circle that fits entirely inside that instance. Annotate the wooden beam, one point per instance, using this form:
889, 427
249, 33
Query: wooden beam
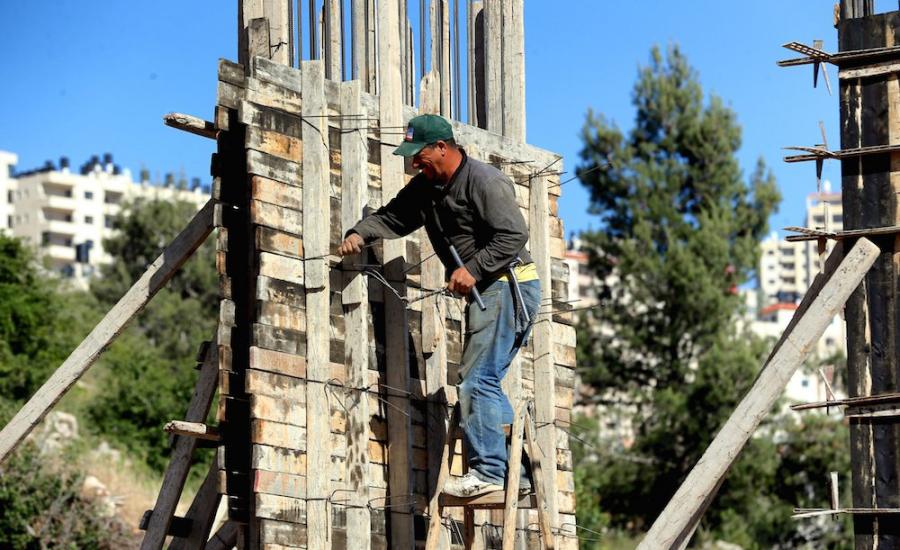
678, 520
390, 96
197, 430
354, 186
493, 66
316, 224
225, 538
360, 67
180, 461
191, 124
202, 513
514, 70
512, 477
542, 336
332, 40
277, 44
80, 360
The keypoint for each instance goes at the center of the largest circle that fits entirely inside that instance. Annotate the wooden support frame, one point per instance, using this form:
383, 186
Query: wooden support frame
180, 462
830, 290
316, 224
80, 360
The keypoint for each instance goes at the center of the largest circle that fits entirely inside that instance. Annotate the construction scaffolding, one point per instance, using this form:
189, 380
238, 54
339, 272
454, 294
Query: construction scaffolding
336, 377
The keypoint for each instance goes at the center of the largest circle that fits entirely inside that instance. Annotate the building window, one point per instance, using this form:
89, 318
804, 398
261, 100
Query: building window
804, 383
89, 195
108, 222
89, 219
67, 271
818, 219
9, 222
838, 218
9, 197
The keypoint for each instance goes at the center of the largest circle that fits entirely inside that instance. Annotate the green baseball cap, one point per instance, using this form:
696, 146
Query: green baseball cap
424, 130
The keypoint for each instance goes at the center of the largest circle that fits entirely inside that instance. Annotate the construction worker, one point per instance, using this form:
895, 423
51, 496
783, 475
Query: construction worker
470, 206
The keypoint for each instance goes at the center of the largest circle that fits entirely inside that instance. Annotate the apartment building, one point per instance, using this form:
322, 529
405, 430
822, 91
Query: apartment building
786, 269
65, 214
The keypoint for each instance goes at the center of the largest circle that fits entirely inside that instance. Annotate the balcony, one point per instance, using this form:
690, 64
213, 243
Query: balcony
61, 203
60, 252
60, 226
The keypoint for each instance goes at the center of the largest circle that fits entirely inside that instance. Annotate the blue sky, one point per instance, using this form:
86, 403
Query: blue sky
88, 77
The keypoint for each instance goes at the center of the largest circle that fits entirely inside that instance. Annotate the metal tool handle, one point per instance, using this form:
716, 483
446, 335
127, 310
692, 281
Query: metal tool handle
459, 263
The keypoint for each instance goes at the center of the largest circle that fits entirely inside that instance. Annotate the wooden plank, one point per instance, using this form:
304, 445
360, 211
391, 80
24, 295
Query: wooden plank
266, 407
292, 535
512, 477
358, 33
280, 315
279, 122
279, 74
225, 538
201, 514
196, 430
541, 468
354, 186
396, 326
272, 167
316, 226
115, 321
493, 65
180, 461
445, 70
676, 523
332, 39
513, 69
354, 296
275, 385
277, 15
279, 483
277, 362
231, 73
542, 337
191, 124
276, 434
273, 143
281, 267
278, 459
276, 242
281, 292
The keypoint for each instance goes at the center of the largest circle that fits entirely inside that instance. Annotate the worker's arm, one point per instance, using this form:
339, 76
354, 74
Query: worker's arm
495, 203
398, 218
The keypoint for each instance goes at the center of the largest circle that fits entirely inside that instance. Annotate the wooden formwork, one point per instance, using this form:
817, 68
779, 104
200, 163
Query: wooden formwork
335, 392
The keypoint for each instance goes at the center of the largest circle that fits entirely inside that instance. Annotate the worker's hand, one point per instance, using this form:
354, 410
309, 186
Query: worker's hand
352, 245
461, 281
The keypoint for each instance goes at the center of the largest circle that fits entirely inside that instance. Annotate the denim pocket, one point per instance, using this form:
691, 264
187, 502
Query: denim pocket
477, 320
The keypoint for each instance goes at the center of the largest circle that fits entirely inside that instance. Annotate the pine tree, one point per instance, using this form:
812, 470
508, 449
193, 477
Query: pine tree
680, 229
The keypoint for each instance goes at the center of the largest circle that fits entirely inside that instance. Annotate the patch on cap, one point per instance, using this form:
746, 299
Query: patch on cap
409, 134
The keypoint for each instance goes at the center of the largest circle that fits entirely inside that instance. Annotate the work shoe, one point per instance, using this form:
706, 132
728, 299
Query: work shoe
469, 486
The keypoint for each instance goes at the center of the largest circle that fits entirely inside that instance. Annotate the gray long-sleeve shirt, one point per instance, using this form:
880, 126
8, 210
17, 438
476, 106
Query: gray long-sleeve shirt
476, 212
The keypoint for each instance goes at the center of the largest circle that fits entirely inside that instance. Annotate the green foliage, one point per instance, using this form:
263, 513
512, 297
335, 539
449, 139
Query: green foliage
680, 232
41, 508
149, 376
39, 325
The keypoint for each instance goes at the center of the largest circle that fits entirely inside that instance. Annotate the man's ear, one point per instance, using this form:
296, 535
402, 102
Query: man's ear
442, 145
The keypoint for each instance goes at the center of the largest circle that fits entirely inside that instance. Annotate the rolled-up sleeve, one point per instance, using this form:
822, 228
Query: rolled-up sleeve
398, 218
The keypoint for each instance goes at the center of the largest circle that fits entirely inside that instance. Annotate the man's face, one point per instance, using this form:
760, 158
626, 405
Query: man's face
429, 160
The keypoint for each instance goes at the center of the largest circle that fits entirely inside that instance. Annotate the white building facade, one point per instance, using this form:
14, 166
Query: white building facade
786, 269
65, 215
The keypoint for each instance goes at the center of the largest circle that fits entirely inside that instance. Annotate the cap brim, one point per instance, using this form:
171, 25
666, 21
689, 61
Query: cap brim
409, 148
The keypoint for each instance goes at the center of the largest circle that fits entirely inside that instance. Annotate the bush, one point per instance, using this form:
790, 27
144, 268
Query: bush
42, 508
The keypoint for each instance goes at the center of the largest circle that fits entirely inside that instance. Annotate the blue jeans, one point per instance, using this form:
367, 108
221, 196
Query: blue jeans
493, 337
